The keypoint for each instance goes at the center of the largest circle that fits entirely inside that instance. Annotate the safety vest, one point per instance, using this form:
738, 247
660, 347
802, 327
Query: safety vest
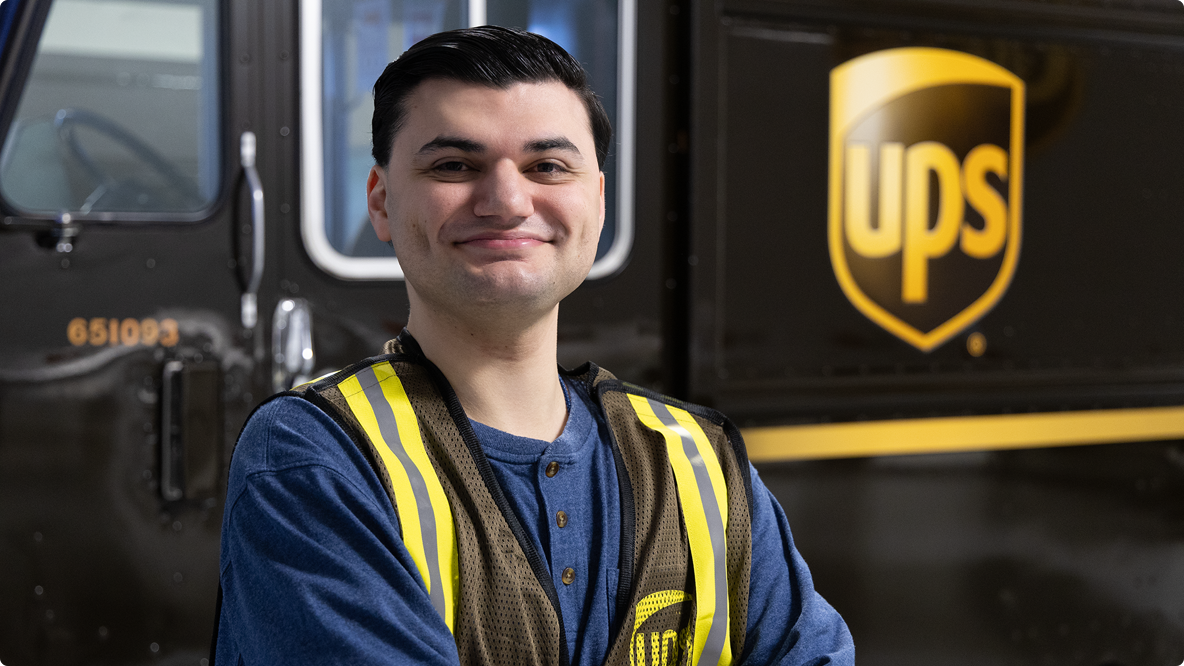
686, 512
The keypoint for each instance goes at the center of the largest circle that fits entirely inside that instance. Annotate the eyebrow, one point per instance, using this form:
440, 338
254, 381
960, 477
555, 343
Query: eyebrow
444, 142
555, 143
469, 146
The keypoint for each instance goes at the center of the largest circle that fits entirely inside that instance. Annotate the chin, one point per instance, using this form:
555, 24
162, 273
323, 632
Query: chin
527, 291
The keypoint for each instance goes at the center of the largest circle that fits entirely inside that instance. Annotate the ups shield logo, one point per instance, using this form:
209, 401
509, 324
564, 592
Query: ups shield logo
655, 641
926, 158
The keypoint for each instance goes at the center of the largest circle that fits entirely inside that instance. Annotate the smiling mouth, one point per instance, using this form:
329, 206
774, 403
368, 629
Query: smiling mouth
502, 243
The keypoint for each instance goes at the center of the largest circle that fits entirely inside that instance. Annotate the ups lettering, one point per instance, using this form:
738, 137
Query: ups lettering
665, 648
904, 210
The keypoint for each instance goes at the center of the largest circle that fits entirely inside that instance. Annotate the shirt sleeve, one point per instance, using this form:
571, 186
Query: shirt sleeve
313, 568
789, 623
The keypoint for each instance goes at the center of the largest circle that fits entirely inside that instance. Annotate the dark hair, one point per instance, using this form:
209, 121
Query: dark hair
488, 55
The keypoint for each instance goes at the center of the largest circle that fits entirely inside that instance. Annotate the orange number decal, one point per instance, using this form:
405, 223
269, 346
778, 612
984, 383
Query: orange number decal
171, 334
101, 331
149, 331
76, 331
129, 332
98, 331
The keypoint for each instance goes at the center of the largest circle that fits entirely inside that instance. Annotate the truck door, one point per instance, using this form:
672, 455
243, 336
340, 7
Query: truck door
139, 325
128, 261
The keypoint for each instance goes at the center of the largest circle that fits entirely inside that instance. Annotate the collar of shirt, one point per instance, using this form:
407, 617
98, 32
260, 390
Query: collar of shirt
578, 434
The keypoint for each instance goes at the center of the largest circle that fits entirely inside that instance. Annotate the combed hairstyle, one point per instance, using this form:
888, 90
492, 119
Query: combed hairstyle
490, 56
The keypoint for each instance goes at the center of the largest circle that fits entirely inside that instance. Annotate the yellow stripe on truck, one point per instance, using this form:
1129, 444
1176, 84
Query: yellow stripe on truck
963, 433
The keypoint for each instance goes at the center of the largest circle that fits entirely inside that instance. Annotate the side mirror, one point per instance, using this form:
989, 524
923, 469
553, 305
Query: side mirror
291, 344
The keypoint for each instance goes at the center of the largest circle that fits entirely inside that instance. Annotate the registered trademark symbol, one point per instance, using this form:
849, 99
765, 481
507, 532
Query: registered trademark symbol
976, 345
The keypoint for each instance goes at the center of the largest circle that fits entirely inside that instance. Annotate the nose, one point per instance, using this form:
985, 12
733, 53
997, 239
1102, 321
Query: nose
503, 192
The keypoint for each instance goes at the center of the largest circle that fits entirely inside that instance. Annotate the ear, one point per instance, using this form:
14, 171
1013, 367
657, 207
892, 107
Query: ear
601, 203
376, 203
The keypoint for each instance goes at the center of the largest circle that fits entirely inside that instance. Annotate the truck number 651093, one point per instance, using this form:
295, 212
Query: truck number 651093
100, 331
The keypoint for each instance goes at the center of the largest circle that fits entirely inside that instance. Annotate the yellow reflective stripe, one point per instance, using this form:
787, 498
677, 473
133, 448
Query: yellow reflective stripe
311, 381
379, 402
405, 501
700, 479
710, 461
447, 559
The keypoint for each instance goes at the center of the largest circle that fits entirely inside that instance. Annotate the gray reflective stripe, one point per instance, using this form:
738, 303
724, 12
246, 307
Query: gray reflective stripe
714, 646
427, 518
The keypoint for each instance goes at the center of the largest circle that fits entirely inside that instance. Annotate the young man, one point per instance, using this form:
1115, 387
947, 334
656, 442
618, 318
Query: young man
459, 499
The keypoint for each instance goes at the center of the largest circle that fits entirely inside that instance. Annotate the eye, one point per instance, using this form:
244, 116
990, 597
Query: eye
549, 168
451, 167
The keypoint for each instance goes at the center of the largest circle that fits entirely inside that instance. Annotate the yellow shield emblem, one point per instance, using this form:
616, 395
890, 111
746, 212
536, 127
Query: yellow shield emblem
926, 166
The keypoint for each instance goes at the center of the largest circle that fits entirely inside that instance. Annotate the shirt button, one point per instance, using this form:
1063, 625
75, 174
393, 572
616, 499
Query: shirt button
561, 519
569, 575
552, 468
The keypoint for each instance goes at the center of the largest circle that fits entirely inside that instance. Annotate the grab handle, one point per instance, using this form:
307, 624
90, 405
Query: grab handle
250, 306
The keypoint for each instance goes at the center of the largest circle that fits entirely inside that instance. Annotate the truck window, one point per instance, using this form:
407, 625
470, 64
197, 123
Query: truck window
346, 45
119, 117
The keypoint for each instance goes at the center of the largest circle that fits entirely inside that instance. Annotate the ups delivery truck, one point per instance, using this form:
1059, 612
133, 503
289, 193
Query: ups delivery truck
928, 254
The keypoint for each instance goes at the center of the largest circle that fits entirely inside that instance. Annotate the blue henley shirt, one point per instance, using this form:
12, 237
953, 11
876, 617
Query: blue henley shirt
314, 571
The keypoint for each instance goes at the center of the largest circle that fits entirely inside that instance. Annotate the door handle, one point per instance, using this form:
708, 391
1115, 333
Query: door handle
250, 302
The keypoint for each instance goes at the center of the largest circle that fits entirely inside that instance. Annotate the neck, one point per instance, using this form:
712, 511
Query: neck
505, 376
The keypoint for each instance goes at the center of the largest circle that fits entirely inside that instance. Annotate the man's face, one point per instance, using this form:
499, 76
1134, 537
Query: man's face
492, 197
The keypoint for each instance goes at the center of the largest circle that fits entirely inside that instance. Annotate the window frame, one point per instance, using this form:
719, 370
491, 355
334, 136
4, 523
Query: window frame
18, 48
312, 149
223, 162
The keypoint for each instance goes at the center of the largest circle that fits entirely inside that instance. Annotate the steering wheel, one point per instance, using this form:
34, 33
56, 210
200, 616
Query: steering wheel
127, 193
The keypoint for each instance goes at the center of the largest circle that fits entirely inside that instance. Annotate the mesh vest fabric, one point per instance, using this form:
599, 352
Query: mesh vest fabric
506, 613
